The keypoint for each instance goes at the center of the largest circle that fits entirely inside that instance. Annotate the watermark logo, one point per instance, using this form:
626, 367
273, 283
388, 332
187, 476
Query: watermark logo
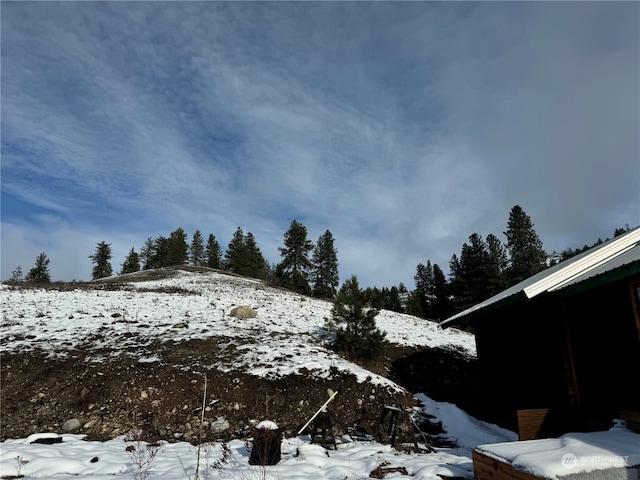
569, 460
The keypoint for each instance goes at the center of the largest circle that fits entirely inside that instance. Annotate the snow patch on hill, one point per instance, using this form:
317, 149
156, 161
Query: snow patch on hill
287, 336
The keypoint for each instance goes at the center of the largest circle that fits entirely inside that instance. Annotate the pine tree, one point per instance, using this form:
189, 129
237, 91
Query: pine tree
525, 248
442, 306
237, 255
354, 324
213, 253
147, 254
16, 275
295, 265
197, 256
621, 230
257, 266
100, 258
392, 300
424, 294
497, 266
178, 249
40, 271
470, 274
160, 253
325, 267
131, 263
376, 297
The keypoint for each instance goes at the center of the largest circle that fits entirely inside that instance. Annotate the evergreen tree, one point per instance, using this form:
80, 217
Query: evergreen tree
497, 266
147, 254
295, 265
40, 271
213, 253
257, 266
177, 248
354, 324
424, 293
197, 256
525, 248
273, 275
16, 275
325, 267
100, 258
131, 263
622, 230
470, 274
160, 252
392, 300
442, 306
237, 255
376, 297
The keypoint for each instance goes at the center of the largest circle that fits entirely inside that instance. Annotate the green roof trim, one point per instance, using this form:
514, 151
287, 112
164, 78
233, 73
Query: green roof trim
621, 273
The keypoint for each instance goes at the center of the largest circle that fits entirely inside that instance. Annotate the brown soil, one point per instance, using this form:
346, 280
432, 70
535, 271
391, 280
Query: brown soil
39, 394
164, 399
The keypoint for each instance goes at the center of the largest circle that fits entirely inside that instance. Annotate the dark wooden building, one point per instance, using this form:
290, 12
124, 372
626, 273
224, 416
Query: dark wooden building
560, 351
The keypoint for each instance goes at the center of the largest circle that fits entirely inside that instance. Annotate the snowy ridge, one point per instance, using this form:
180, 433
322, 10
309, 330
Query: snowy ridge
286, 337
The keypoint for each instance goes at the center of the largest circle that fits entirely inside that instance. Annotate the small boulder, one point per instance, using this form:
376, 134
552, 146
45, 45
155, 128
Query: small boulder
71, 425
219, 425
243, 312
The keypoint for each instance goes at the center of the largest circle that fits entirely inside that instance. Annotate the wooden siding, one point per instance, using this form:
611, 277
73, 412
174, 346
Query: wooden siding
578, 356
487, 468
530, 423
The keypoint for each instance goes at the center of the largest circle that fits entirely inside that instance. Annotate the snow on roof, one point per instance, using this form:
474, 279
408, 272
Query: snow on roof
615, 253
571, 454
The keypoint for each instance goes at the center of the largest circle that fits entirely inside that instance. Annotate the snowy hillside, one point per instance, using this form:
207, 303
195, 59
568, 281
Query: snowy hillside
86, 363
286, 336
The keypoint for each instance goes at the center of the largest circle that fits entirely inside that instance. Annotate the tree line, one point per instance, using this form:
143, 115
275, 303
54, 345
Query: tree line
316, 275
483, 268
307, 268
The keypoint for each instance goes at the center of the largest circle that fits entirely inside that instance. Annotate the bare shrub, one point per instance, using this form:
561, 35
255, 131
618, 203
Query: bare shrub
142, 454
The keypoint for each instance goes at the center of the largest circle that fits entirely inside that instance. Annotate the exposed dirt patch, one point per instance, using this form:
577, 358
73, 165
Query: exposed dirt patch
157, 385
40, 394
164, 398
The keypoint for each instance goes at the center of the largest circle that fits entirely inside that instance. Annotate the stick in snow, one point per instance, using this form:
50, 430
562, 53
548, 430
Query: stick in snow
319, 410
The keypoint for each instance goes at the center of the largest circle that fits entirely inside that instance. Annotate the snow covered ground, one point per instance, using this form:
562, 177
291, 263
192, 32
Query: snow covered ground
287, 335
77, 459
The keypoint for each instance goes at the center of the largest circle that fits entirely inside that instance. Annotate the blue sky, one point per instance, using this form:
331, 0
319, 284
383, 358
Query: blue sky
402, 128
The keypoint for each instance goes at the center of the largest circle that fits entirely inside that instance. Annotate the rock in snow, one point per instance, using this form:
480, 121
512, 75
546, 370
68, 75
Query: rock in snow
219, 425
243, 312
71, 425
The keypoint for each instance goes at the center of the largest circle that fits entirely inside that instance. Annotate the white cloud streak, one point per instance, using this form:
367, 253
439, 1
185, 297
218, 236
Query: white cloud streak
402, 128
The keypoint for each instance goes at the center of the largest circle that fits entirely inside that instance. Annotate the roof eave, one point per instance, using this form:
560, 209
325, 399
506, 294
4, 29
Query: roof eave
467, 316
610, 276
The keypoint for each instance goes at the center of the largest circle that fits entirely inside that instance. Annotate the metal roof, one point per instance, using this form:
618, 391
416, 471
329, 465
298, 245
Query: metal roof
616, 253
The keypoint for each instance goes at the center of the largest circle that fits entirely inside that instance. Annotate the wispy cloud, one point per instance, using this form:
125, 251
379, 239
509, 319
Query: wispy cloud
402, 128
